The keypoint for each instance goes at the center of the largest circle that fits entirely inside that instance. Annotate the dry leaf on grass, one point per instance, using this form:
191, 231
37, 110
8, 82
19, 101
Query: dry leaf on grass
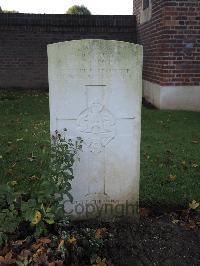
61, 244
175, 221
72, 240
195, 141
195, 165
45, 240
173, 177
100, 262
194, 205
100, 232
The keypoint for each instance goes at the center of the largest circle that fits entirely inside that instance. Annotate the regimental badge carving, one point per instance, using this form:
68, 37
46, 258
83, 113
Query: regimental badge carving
97, 126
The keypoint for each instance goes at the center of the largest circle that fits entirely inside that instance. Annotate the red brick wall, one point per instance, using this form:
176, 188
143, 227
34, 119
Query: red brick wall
24, 39
171, 41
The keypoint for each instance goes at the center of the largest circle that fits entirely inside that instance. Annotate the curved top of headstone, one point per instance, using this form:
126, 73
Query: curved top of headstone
95, 40
118, 50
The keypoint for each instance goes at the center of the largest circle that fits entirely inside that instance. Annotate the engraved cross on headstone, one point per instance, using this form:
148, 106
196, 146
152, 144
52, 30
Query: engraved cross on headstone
98, 127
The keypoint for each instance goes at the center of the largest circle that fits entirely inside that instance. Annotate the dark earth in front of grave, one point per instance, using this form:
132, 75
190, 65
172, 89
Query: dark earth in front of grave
156, 239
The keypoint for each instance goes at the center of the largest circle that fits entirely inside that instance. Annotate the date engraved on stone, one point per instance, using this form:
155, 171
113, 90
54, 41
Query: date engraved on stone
97, 126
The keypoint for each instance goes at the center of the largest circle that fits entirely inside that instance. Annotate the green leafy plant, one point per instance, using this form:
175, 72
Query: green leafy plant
64, 154
76, 245
40, 205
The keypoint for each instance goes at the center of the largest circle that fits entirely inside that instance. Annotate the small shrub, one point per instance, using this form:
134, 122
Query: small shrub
40, 205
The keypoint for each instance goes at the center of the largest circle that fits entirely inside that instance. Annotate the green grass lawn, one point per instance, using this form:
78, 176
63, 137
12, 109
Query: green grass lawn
170, 146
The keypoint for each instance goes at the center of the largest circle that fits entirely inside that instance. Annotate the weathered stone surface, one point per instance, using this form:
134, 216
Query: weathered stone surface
95, 92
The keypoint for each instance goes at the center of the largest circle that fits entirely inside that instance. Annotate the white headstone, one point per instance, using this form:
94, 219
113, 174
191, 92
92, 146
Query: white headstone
95, 92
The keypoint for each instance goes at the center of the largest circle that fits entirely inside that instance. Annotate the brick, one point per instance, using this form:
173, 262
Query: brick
174, 28
24, 39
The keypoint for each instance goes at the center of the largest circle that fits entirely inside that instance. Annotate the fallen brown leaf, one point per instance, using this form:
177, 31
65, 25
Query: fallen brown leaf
51, 264
193, 205
100, 232
61, 244
36, 246
25, 253
5, 250
72, 240
39, 253
45, 240
7, 260
173, 177
195, 141
144, 212
194, 165
175, 221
